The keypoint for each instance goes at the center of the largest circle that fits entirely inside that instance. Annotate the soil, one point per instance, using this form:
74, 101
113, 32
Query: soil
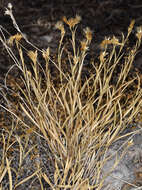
37, 19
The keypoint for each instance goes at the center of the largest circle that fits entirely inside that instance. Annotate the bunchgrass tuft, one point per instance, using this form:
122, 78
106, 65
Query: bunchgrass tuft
78, 116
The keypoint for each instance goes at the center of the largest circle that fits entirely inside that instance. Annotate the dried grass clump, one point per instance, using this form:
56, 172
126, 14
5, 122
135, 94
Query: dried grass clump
79, 120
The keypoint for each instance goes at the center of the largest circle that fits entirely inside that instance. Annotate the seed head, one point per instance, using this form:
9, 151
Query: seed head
33, 56
139, 32
17, 37
108, 41
59, 25
131, 26
103, 56
105, 42
84, 46
9, 9
88, 34
115, 41
9, 6
46, 53
72, 21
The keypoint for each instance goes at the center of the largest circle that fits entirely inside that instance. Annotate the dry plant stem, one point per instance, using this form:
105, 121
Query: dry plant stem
60, 51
